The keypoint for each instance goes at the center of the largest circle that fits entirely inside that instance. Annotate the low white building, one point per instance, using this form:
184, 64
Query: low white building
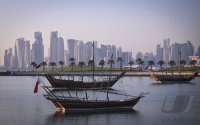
197, 58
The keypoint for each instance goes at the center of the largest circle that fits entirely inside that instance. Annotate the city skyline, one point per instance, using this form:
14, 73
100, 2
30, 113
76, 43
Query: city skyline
23, 54
133, 25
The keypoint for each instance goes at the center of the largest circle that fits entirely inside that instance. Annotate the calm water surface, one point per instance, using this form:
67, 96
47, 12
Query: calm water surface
166, 104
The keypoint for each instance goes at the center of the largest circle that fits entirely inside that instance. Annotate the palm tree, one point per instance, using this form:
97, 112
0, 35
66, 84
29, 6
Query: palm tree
151, 63
140, 63
182, 62
102, 63
61, 63
81, 64
34, 65
192, 63
111, 62
161, 63
90, 63
172, 63
52, 64
43, 65
131, 63
72, 60
120, 59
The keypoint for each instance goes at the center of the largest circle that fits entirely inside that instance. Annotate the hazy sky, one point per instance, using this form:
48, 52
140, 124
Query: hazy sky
136, 25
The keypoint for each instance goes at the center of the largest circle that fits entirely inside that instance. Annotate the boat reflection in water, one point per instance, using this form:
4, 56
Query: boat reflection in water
94, 118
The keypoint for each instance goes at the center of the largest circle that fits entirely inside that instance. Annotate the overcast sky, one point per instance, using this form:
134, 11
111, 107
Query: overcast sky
135, 25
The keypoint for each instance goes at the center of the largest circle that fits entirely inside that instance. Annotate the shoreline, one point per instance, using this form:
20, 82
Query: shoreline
85, 73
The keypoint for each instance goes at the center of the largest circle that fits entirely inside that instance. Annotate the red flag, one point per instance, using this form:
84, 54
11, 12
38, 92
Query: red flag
36, 85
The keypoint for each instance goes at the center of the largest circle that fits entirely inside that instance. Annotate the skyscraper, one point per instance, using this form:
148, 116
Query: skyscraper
139, 55
27, 54
119, 52
147, 57
103, 51
114, 52
88, 51
1, 57
60, 50
159, 53
20, 48
81, 52
72, 49
127, 57
53, 46
37, 48
6, 59
166, 50
198, 52
190, 48
176, 52
184, 52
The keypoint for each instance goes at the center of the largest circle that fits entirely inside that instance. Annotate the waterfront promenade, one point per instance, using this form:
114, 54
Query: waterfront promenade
88, 73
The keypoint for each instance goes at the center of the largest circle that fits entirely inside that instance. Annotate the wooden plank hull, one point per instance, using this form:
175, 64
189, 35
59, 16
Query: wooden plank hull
95, 105
161, 78
59, 83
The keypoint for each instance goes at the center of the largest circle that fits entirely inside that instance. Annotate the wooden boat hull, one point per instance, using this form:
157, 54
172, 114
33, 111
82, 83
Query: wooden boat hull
92, 105
173, 78
59, 83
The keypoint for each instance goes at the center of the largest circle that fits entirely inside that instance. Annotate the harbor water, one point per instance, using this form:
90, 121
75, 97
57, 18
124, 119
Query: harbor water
166, 104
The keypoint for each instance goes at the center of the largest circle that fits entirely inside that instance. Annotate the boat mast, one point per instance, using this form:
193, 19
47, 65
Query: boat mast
93, 62
179, 59
110, 61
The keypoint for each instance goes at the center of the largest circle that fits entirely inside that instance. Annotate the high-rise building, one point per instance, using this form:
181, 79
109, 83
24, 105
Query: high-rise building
127, 57
114, 52
81, 52
72, 49
21, 57
190, 49
119, 52
198, 52
147, 57
15, 60
1, 63
6, 59
159, 53
20, 48
184, 52
109, 51
176, 52
88, 51
67, 62
96, 54
139, 55
37, 53
103, 51
27, 54
53, 46
60, 50
166, 50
